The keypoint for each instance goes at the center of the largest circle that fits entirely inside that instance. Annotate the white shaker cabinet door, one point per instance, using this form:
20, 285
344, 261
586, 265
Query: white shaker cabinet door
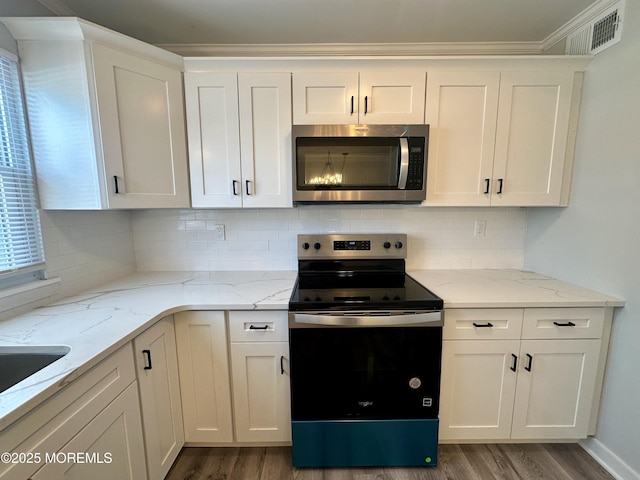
159, 385
261, 391
461, 110
201, 338
214, 140
555, 389
532, 137
392, 98
477, 389
140, 107
265, 139
325, 98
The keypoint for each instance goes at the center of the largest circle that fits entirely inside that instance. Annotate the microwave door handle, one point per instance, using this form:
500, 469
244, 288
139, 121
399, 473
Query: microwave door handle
404, 163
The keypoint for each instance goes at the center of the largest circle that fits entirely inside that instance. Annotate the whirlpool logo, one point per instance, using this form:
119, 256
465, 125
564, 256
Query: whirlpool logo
367, 403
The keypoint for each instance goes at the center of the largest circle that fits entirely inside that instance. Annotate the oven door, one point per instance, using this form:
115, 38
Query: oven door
365, 373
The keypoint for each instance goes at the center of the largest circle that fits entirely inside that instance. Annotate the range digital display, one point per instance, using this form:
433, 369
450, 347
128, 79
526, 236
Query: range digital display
352, 245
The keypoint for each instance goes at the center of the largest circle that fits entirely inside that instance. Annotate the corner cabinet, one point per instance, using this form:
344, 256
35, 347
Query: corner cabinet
501, 138
522, 374
358, 97
106, 116
239, 136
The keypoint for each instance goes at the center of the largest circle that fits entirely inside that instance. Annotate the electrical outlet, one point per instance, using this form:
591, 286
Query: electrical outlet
218, 231
480, 228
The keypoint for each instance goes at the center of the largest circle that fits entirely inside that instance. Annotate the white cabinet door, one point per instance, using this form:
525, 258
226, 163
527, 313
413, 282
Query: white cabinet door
239, 130
111, 444
265, 139
203, 363
477, 389
531, 137
142, 127
214, 140
325, 98
366, 97
159, 385
555, 389
261, 391
461, 111
392, 97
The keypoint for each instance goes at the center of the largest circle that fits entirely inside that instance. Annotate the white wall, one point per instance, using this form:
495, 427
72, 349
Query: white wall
266, 239
595, 242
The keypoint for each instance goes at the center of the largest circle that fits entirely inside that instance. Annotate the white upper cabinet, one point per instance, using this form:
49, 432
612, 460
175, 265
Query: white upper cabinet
106, 114
239, 135
500, 138
352, 97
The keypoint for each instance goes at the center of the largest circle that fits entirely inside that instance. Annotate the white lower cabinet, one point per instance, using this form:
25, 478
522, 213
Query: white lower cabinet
159, 386
90, 429
500, 382
260, 366
253, 371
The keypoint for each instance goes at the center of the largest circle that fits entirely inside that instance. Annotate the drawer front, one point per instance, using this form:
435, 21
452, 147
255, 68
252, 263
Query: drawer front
482, 324
558, 323
258, 326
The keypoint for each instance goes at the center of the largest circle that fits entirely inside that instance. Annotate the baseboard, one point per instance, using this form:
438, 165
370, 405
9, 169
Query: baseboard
609, 460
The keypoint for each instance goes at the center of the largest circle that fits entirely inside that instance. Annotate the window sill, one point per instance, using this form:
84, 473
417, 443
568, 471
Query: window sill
24, 294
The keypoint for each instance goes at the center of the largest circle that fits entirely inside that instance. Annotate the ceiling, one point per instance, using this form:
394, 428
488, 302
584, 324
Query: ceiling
233, 22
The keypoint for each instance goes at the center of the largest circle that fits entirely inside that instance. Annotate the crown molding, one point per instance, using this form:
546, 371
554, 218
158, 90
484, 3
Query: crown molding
353, 49
57, 7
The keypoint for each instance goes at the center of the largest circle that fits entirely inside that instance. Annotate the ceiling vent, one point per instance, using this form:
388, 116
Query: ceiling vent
600, 33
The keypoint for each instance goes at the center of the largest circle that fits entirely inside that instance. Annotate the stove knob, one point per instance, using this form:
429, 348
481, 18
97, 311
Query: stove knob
305, 245
387, 245
317, 245
399, 245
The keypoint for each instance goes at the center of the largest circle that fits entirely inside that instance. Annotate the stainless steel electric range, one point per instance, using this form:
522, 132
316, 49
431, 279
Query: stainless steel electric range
365, 350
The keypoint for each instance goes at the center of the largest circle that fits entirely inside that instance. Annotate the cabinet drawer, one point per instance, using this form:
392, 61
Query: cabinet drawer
258, 326
489, 323
557, 323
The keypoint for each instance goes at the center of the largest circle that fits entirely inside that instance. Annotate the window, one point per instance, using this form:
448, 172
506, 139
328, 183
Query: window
21, 252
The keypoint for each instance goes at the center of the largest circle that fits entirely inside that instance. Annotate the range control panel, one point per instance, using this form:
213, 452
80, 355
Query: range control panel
373, 245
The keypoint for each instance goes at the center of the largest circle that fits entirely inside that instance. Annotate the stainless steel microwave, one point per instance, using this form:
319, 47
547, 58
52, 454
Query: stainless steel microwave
359, 163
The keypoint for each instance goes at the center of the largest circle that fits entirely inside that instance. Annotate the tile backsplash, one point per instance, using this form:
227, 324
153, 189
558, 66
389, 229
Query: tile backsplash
266, 239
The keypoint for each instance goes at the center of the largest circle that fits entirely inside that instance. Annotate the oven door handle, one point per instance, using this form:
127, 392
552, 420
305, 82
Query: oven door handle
367, 319
404, 164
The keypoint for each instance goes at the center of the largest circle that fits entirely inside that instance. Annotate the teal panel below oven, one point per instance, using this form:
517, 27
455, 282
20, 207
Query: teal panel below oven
361, 443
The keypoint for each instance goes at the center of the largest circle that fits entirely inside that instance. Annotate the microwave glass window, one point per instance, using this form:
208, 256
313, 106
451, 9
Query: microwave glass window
336, 163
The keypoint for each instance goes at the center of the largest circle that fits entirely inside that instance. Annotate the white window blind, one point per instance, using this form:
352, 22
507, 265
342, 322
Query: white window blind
21, 240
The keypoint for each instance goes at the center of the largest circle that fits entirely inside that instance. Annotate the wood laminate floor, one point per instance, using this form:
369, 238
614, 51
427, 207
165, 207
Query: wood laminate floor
455, 462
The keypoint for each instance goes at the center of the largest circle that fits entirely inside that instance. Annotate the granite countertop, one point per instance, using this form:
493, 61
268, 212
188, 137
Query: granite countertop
98, 322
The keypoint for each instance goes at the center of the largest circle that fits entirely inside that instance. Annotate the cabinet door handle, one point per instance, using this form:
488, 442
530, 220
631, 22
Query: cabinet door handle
529, 363
351, 104
500, 183
147, 354
366, 104
253, 327
115, 184
234, 184
483, 325
246, 186
487, 185
514, 362
568, 324
281, 364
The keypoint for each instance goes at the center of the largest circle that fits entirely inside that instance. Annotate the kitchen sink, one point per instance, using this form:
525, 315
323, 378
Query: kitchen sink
18, 362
